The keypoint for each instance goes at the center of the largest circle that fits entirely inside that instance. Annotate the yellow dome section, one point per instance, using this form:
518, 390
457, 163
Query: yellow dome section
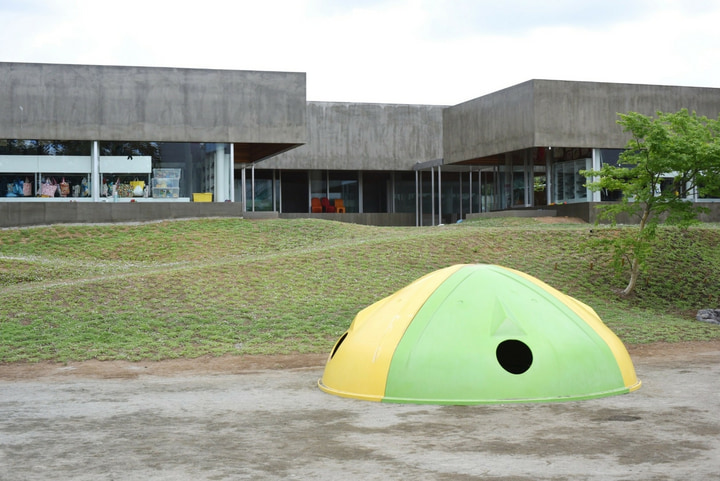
359, 370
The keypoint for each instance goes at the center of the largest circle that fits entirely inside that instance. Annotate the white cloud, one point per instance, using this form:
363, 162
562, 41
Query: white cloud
400, 51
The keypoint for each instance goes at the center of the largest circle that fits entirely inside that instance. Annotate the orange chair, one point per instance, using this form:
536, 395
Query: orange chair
316, 206
339, 206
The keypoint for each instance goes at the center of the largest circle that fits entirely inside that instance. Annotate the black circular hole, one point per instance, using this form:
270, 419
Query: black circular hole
514, 356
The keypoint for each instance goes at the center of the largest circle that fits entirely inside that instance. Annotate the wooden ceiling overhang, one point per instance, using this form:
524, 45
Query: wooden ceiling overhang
251, 153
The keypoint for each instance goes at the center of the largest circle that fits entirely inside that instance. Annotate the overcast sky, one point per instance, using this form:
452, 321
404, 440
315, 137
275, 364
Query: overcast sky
388, 51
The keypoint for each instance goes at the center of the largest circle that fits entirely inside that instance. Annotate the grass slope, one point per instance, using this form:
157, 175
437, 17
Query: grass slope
229, 286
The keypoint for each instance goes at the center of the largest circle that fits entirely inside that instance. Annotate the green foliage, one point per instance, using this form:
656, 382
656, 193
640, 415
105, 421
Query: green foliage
681, 146
227, 286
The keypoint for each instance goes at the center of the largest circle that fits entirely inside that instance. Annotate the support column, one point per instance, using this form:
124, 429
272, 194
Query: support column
243, 188
432, 195
420, 196
508, 183
252, 188
461, 193
439, 195
391, 202
231, 174
529, 176
417, 201
481, 197
223, 165
95, 171
596, 196
548, 176
471, 191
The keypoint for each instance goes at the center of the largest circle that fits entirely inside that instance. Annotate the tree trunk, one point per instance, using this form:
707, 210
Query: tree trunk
634, 274
635, 262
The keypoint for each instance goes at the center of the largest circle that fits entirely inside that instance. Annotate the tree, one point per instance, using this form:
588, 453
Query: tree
668, 160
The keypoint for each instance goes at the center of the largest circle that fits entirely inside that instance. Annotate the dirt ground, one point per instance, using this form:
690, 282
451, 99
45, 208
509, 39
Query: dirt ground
243, 364
263, 417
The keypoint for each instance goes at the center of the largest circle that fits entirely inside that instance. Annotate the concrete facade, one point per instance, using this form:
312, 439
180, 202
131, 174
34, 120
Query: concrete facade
490, 125
547, 113
23, 214
383, 160
347, 136
377, 219
26, 214
85, 102
588, 211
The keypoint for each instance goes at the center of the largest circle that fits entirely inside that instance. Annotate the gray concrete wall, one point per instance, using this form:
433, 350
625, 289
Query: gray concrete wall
588, 211
513, 213
500, 122
376, 219
85, 102
23, 214
26, 214
348, 136
542, 113
585, 114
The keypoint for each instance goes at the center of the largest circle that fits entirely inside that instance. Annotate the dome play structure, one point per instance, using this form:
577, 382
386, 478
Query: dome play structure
475, 334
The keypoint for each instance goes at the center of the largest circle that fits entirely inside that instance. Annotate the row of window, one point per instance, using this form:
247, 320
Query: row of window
291, 191
30, 167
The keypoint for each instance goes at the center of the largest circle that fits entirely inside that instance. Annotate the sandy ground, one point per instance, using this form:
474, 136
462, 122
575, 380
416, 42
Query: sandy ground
260, 417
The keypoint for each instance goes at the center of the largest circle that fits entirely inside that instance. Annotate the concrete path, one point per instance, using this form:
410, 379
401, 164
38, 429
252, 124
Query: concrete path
276, 424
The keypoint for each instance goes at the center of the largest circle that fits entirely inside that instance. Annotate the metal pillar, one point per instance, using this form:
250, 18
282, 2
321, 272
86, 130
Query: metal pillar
549, 185
471, 191
94, 172
439, 196
243, 188
417, 201
252, 188
231, 174
432, 195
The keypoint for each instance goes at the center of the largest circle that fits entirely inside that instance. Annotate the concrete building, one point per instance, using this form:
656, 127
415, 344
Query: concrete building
252, 144
543, 132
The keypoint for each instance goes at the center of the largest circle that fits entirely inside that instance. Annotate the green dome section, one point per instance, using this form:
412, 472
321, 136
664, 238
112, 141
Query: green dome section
487, 334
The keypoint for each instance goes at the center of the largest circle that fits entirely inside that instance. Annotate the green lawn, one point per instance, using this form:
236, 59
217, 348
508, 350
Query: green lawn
228, 286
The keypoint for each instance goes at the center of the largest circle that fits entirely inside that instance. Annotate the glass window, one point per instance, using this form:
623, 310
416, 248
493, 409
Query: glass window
44, 147
488, 181
610, 156
318, 185
451, 192
405, 192
294, 191
471, 200
27, 164
569, 184
263, 191
344, 185
169, 170
375, 191
428, 182
518, 186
